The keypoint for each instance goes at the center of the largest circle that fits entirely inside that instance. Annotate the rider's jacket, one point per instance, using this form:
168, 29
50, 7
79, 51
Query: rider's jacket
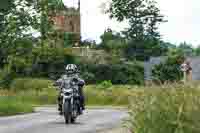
65, 80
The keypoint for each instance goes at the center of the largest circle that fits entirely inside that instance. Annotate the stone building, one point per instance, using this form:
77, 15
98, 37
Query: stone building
68, 22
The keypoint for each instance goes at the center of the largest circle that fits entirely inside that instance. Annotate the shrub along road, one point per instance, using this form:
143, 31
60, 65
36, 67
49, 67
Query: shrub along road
47, 120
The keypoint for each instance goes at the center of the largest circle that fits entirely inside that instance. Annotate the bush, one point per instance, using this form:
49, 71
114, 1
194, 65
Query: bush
169, 70
166, 109
6, 77
88, 77
106, 84
116, 73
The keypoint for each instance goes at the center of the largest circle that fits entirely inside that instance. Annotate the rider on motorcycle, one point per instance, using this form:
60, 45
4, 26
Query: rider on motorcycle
72, 74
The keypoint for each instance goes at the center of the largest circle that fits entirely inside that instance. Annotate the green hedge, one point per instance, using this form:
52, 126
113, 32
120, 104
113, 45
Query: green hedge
116, 73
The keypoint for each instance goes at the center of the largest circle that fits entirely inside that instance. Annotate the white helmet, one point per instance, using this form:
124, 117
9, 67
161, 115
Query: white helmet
71, 68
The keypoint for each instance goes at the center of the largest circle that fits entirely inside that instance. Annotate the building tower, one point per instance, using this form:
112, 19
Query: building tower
68, 22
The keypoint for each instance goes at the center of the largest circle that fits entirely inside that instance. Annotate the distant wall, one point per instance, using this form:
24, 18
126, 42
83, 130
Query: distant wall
88, 54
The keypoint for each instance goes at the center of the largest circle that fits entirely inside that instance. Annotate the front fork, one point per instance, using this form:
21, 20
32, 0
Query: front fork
67, 99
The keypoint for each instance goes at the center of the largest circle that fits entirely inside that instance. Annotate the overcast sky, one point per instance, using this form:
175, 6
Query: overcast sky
183, 20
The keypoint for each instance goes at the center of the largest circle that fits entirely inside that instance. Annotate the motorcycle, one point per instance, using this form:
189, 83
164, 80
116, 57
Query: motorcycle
71, 102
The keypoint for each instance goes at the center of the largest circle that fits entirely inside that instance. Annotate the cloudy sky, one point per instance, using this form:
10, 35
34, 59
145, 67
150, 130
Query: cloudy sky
183, 20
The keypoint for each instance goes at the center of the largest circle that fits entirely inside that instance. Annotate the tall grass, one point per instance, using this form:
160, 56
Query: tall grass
114, 95
165, 109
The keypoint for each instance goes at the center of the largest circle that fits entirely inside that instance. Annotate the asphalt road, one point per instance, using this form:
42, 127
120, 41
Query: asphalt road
47, 120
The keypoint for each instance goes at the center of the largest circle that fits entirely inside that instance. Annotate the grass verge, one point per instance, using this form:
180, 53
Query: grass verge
15, 102
9, 105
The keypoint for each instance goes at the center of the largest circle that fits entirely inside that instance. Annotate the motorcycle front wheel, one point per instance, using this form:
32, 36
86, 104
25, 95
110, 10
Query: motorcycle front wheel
67, 112
75, 113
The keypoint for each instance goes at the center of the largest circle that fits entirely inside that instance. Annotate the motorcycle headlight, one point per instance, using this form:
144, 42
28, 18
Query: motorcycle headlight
67, 93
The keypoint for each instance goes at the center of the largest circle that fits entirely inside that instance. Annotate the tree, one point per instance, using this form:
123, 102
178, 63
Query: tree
88, 42
17, 20
197, 51
168, 45
47, 9
21, 17
16, 40
113, 42
143, 17
108, 37
187, 49
143, 50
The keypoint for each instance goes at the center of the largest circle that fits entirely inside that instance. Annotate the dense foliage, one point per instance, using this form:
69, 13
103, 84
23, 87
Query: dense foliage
116, 73
143, 50
143, 17
169, 70
20, 51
